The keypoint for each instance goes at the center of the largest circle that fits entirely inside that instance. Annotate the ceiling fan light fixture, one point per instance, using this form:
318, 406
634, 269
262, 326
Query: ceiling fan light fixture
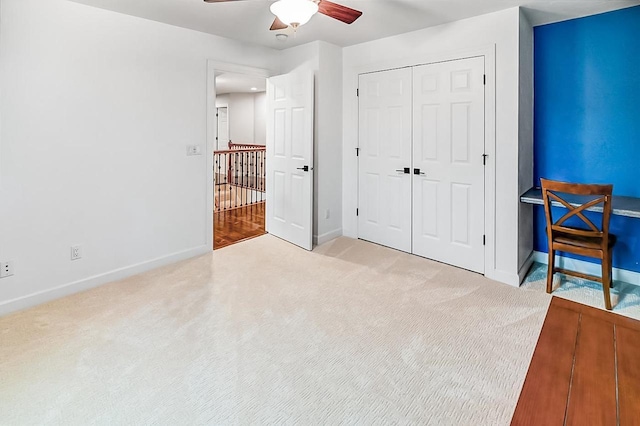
294, 12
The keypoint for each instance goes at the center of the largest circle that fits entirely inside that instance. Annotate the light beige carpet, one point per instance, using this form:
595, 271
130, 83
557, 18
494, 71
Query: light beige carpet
265, 333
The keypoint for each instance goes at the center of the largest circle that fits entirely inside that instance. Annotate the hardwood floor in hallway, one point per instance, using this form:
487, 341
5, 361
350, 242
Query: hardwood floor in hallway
235, 225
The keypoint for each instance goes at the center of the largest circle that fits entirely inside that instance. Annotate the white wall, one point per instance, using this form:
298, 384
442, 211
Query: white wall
222, 100
329, 143
500, 29
247, 115
260, 118
325, 60
97, 109
241, 118
525, 152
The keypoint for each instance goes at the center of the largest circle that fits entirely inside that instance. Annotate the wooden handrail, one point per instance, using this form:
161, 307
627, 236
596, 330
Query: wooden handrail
233, 151
248, 145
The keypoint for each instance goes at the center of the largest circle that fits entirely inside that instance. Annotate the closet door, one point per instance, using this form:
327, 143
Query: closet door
448, 148
384, 186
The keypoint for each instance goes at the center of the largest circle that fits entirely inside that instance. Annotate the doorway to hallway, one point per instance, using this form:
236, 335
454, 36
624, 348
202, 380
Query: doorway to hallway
239, 158
282, 130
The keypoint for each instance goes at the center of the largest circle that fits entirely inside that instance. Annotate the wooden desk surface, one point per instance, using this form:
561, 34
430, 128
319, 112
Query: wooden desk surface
621, 206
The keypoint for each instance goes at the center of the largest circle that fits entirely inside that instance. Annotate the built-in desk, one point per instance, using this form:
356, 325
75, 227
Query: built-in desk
621, 206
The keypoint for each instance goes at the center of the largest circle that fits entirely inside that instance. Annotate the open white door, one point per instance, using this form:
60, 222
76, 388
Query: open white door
290, 158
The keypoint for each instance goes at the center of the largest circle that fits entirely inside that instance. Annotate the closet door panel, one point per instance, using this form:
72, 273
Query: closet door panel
448, 143
384, 193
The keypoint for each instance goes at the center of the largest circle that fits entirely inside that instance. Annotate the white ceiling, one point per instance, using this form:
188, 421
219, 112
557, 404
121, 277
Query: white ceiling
249, 20
239, 83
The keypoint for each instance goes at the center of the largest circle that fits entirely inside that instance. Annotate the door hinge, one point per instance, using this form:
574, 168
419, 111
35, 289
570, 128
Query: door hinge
484, 240
357, 92
484, 79
357, 152
484, 159
357, 212
216, 114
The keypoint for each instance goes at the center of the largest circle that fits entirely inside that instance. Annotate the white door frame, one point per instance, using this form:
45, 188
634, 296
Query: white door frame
216, 68
489, 53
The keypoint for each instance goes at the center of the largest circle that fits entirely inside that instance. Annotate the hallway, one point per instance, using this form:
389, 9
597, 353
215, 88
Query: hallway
235, 225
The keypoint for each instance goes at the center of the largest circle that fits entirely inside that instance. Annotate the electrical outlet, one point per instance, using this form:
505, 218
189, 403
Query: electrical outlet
194, 150
6, 269
76, 252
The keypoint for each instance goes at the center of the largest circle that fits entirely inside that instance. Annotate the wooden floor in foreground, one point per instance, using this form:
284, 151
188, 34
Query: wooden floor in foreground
585, 369
239, 224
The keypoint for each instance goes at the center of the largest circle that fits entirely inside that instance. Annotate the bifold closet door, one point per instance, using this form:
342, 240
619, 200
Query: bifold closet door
384, 187
448, 148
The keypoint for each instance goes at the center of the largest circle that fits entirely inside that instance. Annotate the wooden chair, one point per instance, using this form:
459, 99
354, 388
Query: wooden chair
586, 239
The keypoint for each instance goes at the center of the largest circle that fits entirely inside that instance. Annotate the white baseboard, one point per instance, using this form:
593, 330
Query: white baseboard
63, 290
503, 277
328, 236
509, 278
623, 275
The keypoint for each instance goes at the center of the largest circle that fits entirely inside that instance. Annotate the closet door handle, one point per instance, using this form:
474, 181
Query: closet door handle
406, 170
418, 172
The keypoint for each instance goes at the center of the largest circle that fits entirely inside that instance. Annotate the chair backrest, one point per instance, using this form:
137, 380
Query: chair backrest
593, 195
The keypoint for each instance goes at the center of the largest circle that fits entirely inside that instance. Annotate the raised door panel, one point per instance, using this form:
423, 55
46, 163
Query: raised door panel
427, 222
448, 146
385, 147
289, 149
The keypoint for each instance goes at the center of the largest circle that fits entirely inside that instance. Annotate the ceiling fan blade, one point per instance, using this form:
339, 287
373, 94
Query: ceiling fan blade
278, 25
339, 12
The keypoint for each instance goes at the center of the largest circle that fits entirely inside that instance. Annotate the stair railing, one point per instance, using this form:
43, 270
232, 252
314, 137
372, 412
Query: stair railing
239, 176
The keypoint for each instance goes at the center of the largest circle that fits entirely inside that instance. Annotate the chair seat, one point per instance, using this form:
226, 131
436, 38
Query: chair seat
580, 241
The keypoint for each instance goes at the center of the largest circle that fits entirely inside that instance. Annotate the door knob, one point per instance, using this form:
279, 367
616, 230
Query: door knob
417, 172
304, 168
406, 170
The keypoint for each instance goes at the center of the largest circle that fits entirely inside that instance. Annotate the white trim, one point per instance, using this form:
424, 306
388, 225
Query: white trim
63, 290
415, 60
522, 273
504, 277
489, 53
623, 275
327, 236
214, 68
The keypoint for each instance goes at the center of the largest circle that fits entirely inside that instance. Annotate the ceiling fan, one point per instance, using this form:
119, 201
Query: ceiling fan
298, 12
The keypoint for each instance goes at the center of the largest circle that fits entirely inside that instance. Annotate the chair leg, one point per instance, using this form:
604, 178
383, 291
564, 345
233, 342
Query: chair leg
606, 280
552, 258
611, 268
